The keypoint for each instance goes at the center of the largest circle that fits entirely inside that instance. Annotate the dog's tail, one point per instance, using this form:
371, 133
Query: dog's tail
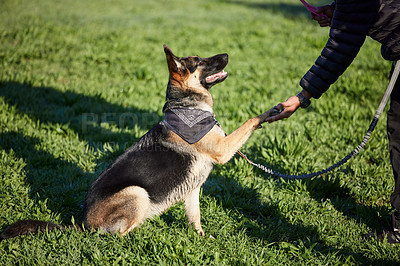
24, 227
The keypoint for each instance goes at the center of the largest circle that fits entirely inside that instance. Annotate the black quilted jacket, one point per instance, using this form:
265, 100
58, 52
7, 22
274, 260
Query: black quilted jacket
352, 21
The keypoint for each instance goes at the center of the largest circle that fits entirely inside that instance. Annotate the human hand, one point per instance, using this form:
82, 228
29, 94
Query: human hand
288, 107
322, 21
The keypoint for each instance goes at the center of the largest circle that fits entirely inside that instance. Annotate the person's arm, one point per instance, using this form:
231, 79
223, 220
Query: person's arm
349, 27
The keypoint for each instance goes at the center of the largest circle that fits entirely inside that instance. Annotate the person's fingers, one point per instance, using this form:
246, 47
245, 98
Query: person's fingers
323, 22
317, 18
325, 18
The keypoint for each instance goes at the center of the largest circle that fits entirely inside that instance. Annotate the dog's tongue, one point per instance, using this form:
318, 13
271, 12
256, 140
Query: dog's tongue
219, 75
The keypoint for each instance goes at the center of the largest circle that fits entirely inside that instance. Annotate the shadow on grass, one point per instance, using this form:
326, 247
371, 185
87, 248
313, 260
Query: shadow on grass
340, 196
265, 221
49, 177
86, 115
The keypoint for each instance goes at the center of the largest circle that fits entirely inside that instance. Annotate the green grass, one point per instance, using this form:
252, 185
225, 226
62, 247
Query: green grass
82, 80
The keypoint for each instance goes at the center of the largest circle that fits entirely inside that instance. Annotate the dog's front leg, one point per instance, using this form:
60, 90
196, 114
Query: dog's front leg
226, 147
230, 144
192, 208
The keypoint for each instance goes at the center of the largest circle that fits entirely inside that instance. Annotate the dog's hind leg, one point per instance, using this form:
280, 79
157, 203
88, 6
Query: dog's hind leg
192, 208
120, 213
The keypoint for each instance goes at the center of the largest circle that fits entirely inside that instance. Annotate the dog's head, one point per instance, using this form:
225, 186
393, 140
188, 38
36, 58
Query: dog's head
193, 76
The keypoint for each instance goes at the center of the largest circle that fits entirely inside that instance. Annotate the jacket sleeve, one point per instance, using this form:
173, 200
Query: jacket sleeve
351, 23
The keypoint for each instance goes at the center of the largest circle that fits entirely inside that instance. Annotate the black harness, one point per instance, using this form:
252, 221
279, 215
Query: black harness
189, 123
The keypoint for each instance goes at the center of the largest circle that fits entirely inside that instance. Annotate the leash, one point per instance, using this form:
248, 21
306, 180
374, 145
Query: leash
371, 128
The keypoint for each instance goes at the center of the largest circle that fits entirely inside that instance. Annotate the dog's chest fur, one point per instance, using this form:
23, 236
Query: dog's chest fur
167, 170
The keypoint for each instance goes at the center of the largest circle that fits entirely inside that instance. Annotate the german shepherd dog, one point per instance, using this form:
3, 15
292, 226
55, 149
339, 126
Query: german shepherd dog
165, 165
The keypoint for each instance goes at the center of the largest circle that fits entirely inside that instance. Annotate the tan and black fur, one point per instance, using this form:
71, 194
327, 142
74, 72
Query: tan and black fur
161, 168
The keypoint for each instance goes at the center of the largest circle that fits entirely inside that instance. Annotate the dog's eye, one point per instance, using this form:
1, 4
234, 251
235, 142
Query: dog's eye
199, 62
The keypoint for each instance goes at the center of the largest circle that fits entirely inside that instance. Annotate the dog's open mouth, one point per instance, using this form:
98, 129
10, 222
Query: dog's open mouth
217, 77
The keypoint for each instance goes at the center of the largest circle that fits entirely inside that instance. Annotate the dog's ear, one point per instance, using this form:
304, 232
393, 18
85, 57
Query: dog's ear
174, 64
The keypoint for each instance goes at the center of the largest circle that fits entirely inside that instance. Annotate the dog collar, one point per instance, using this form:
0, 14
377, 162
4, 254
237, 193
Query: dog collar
189, 123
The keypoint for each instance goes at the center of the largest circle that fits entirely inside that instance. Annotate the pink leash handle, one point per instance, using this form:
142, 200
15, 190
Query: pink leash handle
313, 9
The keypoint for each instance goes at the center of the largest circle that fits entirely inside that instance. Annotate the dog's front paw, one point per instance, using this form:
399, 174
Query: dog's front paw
276, 110
200, 232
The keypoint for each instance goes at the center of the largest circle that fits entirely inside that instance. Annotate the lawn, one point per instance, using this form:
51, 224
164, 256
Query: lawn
80, 81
